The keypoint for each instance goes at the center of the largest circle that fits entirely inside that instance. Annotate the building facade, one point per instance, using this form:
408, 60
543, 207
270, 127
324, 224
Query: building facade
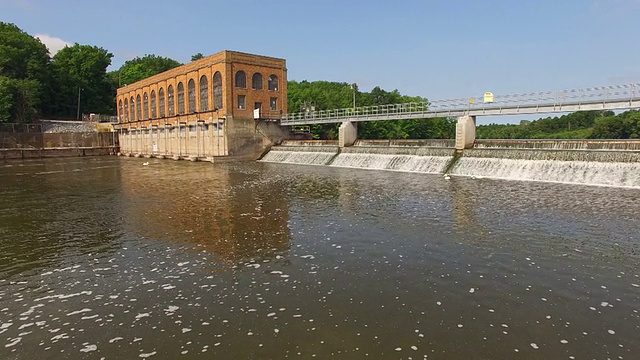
205, 109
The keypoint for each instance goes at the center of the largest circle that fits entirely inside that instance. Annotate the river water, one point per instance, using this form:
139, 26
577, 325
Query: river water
105, 258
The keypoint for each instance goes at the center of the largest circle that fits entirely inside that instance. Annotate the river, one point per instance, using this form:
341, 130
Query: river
107, 258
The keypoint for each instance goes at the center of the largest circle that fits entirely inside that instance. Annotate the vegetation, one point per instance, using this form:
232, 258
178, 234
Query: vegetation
33, 84
578, 125
140, 68
324, 95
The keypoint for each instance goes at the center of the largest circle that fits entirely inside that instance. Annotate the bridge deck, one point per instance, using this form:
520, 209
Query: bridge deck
602, 98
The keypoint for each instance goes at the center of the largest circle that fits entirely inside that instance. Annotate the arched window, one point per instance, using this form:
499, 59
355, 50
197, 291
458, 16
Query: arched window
241, 79
256, 81
120, 114
138, 108
126, 109
154, 112
273, 82
192, 95
133, 110
204, 93
217, 90
171, 100
180, 98
145, 109
161, 101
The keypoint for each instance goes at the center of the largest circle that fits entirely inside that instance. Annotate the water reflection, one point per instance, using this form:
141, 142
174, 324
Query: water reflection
54, 210
232, 215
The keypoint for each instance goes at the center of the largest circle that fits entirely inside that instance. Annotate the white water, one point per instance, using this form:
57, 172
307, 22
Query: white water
298, 157
600, 167
620, 174
409, 163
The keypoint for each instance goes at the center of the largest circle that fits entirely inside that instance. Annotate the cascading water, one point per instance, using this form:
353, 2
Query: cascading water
303, 155
605, 162
590, 167
409, 159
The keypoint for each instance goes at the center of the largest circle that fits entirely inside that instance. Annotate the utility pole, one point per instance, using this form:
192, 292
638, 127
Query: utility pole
78, 113
353, 86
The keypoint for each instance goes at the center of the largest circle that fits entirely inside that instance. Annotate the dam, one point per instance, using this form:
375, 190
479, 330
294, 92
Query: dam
586, 162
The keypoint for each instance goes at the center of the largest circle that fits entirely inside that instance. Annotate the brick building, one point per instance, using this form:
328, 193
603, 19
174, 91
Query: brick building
205, 108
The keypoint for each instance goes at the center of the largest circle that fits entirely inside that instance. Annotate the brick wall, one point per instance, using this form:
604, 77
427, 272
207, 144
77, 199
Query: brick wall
228, 63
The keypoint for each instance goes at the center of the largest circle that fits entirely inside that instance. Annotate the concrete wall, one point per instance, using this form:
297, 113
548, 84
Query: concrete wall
235, 138
56, 140
7, 154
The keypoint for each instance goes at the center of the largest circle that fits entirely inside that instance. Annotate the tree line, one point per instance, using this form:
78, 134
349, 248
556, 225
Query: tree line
35, 85
577, 125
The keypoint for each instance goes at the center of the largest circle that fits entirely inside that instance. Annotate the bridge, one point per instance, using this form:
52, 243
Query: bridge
613, 97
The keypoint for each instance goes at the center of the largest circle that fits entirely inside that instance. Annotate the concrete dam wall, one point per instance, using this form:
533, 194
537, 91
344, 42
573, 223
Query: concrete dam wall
589, 162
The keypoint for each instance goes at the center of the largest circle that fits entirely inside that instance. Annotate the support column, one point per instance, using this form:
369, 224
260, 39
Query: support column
465, 132
347, 134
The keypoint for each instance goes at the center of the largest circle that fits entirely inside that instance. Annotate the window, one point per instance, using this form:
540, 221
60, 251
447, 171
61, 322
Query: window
241, 80
257, 105
120, 114
180, 98
138, 108
204, 93
273, 104
217, 90
192, 96
145, 109
161, 100
126, 109
242, 102
171, 100
256, 81
133, 109
154, 111
273, 83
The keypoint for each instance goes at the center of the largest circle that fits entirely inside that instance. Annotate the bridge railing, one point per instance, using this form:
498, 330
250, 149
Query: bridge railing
455, 107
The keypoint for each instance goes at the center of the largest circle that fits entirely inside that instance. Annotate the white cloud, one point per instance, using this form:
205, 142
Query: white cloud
53, 43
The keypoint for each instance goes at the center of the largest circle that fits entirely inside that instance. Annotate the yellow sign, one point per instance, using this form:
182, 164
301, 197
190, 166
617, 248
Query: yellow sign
471, 101
488, 97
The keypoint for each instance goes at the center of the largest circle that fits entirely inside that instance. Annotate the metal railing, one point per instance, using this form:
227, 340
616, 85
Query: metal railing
543, 102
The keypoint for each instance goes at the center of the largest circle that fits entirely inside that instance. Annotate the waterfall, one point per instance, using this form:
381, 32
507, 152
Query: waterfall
589, 162
305, 154
621, 174
591, 167
298, 157
407, 163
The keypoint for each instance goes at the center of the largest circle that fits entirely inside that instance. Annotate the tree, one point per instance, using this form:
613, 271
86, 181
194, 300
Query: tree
197, 56
25, 75
83, 68
142, 67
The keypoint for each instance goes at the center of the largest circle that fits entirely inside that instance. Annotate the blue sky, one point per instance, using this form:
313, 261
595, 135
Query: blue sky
435, 49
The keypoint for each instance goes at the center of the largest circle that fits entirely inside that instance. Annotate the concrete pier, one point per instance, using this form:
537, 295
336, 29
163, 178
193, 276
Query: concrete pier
347, 134
465, 132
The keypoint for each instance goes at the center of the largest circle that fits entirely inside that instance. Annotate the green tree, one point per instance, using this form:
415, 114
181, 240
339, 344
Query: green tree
197, 56
82, 70
25, 75
142, 67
